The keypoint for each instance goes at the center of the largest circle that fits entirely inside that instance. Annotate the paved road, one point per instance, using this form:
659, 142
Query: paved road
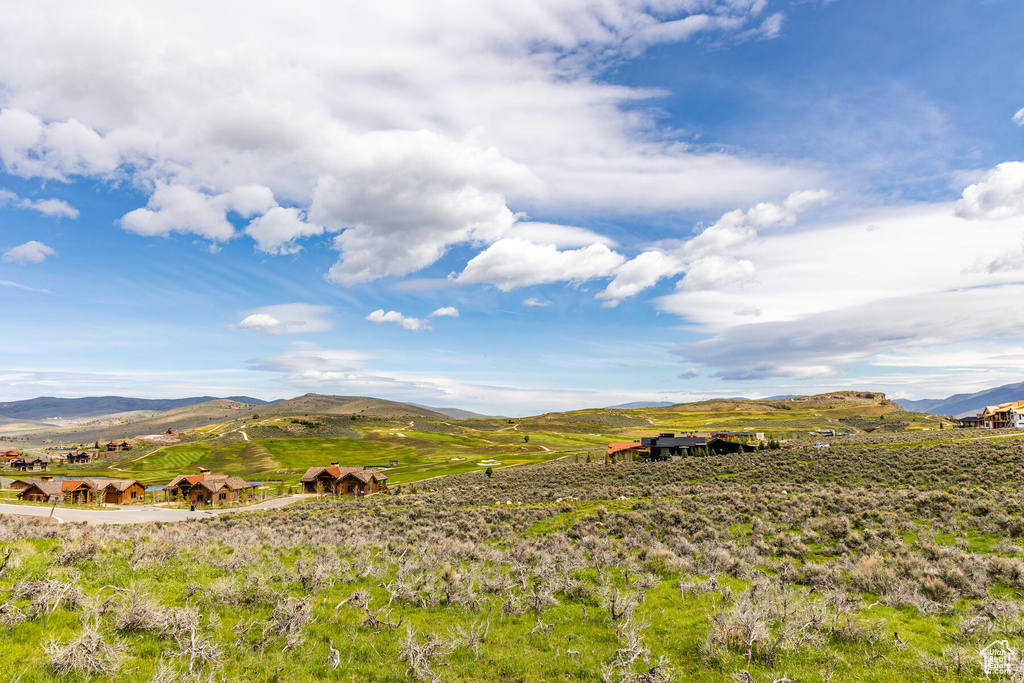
135, 514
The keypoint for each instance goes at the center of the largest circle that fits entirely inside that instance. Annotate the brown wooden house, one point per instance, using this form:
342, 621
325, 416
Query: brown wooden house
116, 447
78, 458
344, 481
49, 491
208, 488
29, 464
119, 491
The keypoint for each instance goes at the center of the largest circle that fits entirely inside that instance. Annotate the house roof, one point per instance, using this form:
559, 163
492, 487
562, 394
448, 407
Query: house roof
116, 484
211, 482
49, 488
363, 474
618, 446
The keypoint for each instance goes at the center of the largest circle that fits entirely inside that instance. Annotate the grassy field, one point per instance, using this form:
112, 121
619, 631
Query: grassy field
865, 564
280, 447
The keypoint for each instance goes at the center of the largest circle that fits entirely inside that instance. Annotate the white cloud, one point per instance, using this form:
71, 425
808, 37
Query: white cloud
463, 117
707, 268
534, 301
48, 207
717, 272
835, 298
1000, 194
512, 263
411, 324
689, 373
562, 236
176, 208
29, 252
275, 231
1018, 118
16, 285
447, 311
351, 372
288, 319
640, 273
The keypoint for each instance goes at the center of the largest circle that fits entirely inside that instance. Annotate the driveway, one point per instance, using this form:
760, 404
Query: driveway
136, 514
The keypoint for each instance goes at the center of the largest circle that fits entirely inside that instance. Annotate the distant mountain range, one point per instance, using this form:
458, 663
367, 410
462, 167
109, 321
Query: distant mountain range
641, 404
666, 404
93, 406
457, 413
965, 404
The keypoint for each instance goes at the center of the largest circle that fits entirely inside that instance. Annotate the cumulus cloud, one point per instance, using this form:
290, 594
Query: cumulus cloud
642, 272
700, 257
287, 319
411, 324
275, 231
1000, 194
57, 208
511, 263
717, 272
29, 252
562, 236
460, 117
834, 299
447, 311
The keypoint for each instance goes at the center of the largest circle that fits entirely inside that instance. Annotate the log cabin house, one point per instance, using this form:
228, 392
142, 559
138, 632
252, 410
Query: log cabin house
344, 481
47, 490
28, 464
119, 491
78, 458
208, 488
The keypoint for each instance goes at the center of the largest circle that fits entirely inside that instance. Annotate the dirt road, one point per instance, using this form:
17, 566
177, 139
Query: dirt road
135, 514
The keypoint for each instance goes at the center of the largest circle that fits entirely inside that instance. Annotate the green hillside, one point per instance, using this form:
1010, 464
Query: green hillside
278, 442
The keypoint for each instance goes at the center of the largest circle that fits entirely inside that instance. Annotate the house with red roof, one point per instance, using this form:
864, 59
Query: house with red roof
208, 488
344, 481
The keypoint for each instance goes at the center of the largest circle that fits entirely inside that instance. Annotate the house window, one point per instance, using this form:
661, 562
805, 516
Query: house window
133, 494
351, 488
223, 496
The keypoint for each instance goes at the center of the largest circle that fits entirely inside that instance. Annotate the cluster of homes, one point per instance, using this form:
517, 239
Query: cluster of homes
204, 488
669, 446
1003, 416
80, 491
25, 463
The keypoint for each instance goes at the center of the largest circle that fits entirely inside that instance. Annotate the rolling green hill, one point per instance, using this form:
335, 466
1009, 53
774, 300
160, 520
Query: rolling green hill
279, 441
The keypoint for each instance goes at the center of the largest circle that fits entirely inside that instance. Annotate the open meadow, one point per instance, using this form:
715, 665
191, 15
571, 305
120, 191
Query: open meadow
858, 563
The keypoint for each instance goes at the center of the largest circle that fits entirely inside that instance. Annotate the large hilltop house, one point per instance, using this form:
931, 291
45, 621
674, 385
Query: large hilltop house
208, 488
1003, 416
665, 446
344, 481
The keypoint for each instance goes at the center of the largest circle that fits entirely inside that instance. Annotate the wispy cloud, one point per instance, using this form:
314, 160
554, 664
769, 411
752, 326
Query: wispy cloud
8, 283
58, 208
287, 319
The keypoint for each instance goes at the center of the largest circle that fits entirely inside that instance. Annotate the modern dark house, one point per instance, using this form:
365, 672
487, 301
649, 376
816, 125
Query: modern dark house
665, 446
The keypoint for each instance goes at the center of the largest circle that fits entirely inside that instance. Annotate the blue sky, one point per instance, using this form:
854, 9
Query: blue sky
511, 207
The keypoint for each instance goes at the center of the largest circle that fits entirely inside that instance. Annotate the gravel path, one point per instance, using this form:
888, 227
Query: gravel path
135, 514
